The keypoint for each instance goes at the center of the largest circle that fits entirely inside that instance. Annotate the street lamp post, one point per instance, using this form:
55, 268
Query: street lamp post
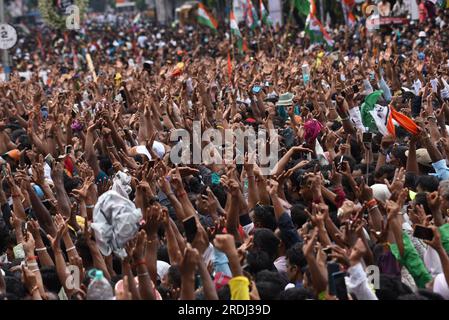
5, 56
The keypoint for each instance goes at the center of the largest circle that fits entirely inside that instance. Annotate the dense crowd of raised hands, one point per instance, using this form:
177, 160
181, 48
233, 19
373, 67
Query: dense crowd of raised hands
336, 206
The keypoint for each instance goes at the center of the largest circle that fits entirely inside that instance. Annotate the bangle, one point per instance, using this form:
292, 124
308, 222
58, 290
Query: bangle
70, 249
145, 274
250, 177
182, 194
33, 264
373, 207
110, 147
152, 240
40, 249
34, 289
219, 127
91, 206
30, 258
345, 118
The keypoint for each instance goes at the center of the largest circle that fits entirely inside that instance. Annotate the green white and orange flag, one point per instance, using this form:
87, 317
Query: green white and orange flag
234, 26
265, 15
384, 119
205, 18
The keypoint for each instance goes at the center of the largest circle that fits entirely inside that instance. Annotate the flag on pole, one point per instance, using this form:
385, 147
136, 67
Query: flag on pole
230, 67
315, 28
234, 26
302, 6
136, 18
348, 6
265, 15
252, 19
236, 31
383, 119
205, 18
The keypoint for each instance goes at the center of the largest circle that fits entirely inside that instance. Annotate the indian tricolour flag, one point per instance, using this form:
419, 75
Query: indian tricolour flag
384, 119
251, 15
205, 18
315, 29
265, 15
234, 26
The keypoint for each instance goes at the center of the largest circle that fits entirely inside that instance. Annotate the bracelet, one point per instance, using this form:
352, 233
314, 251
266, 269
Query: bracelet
33, 264
182, 194
34, 289
219, 127
70, 249
110, 147
40, 249
373, 207
91, 206
145, 274
31, 258
152, 240
250, 177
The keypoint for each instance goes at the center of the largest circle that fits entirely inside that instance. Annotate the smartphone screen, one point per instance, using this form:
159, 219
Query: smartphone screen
422, 232
340, 285
332, 268
190, 228
256, 89
355, 88
367, 137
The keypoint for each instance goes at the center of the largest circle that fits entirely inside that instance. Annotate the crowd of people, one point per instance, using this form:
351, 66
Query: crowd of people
355, 207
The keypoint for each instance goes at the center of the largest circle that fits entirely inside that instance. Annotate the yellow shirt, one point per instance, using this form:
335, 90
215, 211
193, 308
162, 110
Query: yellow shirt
239, 288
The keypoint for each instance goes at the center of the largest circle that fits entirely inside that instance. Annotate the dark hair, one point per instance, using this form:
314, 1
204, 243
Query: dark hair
296, 257
84, 252
421, 198
265, 216
220, 193
265, 240
258, 260
71, 183
15, 287
297, 294
174, 276
224, 293
162, 254
428, 183
298, 215
270, 285
50, 279
386, 169
391, 287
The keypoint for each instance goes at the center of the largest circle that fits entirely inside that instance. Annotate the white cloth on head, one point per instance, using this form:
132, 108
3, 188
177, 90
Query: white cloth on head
381, 192
162, 269
122, 184
115, 222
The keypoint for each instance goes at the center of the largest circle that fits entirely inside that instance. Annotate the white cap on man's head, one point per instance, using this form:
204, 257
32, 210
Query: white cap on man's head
422, 34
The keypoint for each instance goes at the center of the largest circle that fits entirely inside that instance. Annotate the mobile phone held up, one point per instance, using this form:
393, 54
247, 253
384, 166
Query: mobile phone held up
256, 89
340, 285
190, 228
422, 232
367, 137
